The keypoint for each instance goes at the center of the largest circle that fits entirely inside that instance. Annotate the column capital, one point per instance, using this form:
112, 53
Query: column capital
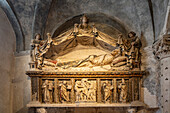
161, 48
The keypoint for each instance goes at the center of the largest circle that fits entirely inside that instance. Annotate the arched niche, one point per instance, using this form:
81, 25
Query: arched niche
104, 23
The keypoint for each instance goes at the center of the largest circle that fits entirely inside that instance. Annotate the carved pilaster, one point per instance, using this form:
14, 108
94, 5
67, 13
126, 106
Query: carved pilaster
130, 90
56, 99
99, 90
114, 90
72, 90
35, 89
133, 89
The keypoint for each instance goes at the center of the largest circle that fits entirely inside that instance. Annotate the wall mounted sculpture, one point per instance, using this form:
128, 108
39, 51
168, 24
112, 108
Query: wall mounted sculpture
84, 65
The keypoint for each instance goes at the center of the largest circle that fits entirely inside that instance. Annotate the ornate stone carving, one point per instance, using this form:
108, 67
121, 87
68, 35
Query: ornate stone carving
107, 90
122, 53
161, 48
123, 91
85, 90
85, 65
38, 49
82, 88
47, 87
64, 91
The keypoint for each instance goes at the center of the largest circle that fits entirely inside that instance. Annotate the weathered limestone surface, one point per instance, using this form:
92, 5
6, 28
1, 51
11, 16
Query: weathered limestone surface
21, 85
7, 48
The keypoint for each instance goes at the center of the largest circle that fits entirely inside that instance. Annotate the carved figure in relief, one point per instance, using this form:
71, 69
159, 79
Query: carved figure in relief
107, 90
47, 87
123, 91
64, 91
35, 45
39, 48
84, 28
85, 90
92, 92
132, 46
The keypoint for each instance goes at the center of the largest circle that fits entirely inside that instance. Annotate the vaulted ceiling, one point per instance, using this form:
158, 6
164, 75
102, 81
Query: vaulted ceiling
55, 16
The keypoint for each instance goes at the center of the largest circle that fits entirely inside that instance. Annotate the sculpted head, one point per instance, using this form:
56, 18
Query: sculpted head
64, 82
84, 80
48, 34
123, 81
91, 57
84, 19
46, 81
37, 36
131, 34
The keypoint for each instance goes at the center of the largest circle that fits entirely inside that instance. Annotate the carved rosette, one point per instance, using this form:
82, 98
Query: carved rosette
161, 48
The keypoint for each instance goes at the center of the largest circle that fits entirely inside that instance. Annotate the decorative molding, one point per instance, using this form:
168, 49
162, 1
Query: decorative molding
87, 74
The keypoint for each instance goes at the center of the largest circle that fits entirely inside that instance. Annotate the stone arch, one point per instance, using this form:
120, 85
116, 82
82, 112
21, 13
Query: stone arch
7, 49
20, 40
99, 18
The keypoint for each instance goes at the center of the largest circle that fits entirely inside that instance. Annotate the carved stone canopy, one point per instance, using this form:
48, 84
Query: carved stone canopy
85, 48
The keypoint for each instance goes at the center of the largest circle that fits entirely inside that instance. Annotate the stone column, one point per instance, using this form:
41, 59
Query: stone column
162, 53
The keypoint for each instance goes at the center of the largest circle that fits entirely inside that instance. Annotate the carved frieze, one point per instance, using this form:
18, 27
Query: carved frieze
91, 90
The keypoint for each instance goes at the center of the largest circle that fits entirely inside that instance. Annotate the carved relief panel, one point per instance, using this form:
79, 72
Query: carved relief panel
91, 90
64, 90
47, 90
107, 90
85, 90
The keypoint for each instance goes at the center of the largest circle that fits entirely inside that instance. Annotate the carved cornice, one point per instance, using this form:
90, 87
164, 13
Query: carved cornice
87, 74
161, 48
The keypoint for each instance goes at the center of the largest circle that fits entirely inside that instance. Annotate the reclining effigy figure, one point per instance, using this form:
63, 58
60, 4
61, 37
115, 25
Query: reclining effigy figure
91, 60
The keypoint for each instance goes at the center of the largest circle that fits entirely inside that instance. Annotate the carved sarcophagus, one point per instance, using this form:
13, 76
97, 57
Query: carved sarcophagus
84, 66
85, 87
